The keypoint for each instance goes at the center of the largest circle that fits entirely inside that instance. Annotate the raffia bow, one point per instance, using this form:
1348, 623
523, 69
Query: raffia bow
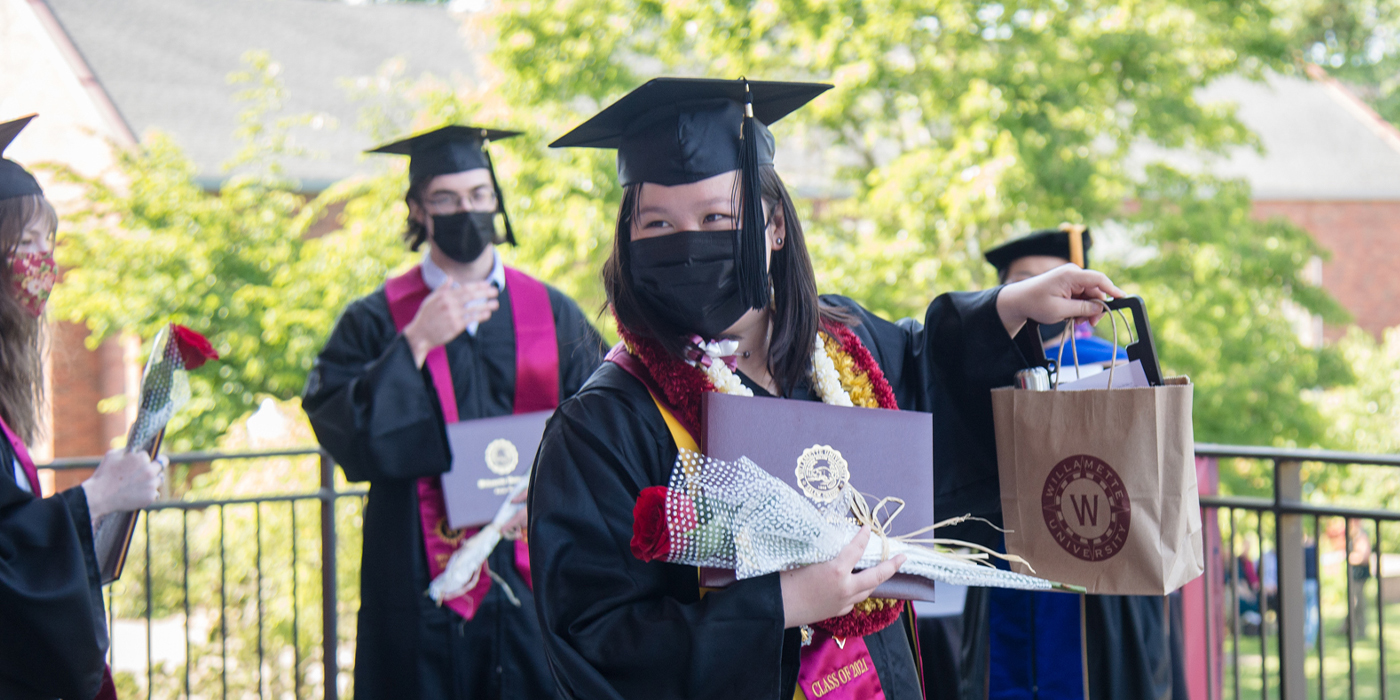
864, 514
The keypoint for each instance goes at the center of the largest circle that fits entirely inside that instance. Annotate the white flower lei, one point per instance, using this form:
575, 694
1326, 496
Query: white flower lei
826, 381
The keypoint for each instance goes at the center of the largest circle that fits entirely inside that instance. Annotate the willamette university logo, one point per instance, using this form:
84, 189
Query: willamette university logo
1086, 508
822, 473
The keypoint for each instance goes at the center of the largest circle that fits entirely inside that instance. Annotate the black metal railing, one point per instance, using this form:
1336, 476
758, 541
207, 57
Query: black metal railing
1283, 522
291, 655
152, 590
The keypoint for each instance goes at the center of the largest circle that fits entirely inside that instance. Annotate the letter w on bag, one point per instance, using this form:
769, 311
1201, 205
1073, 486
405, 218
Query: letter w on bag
1081, 509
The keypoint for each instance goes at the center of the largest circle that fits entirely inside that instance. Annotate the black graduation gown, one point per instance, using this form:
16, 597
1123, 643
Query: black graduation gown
53, 636
615, 627
379, 417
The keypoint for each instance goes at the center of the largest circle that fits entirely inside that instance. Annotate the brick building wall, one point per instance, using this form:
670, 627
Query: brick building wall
79, 379
1364, 240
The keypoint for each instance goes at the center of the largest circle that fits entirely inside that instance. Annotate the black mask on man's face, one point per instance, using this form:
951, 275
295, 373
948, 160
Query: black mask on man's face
462, 236
689, 278
1051, 331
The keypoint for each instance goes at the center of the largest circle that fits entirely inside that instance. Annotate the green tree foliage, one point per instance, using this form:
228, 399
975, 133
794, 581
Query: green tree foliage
237, 265
1219, 284
1358, 41
1365, 417
961, 121
955, 125
1366, 414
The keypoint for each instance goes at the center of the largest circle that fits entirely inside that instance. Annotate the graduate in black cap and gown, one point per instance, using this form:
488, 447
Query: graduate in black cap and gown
459, 336
709, 265
53, 632
1052, 646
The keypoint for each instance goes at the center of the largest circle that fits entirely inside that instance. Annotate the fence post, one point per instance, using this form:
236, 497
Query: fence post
329, 615
1288, 533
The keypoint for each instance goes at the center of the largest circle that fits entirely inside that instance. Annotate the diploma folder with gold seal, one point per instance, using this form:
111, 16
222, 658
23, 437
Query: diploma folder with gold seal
816, 449
489, 457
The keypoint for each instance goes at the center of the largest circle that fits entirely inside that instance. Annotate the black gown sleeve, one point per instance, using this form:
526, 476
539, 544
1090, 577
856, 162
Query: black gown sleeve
581, 348
370, 405
615, 627
947, 365
53, 637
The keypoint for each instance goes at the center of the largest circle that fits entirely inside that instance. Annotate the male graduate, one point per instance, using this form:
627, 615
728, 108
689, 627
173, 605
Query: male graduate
1027, 645
458, 337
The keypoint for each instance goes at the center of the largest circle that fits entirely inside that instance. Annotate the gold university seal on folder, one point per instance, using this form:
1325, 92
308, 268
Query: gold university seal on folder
501, 456
822, 473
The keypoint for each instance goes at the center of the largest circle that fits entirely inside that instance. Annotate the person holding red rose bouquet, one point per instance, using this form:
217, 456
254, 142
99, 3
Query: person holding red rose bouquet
713, 290
53, 631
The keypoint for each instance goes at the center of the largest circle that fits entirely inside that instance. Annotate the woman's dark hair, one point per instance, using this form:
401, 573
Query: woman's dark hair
796, 309
21, 335
416, 232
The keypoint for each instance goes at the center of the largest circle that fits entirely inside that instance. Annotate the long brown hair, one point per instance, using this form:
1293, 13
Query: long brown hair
21, 335
795, 307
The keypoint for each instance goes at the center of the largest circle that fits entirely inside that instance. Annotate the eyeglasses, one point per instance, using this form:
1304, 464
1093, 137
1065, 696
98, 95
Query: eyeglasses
481, 199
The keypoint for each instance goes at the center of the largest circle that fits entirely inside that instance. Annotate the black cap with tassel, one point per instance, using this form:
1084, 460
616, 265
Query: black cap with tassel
496, 184
752, 246
675, 131
453, 149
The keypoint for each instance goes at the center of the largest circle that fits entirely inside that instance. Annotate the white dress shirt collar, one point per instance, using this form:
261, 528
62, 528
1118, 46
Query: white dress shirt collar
435, 277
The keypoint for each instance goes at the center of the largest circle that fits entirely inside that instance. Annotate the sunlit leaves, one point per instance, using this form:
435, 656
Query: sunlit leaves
955, 125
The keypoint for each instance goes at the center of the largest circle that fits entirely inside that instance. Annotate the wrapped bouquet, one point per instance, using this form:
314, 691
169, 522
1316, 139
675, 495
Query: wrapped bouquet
165, 388
735, 515
464, 569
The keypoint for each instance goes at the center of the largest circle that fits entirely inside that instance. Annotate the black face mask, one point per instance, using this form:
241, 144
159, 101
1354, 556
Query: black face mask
462, 236
689, 279
1051, 331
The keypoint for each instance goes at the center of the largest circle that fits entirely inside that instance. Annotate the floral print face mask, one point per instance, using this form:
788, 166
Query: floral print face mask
35, 274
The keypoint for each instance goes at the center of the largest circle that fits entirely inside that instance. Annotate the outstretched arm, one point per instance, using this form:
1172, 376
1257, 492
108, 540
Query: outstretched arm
1062, 293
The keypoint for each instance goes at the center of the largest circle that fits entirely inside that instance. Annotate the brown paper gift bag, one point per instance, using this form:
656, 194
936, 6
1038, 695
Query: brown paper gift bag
1098, 487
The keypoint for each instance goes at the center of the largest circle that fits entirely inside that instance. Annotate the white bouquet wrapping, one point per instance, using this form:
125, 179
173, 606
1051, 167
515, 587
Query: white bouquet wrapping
734, 515
463, 570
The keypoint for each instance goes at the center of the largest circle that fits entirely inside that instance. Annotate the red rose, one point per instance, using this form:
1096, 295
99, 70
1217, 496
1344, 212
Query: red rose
194, 348
651, 537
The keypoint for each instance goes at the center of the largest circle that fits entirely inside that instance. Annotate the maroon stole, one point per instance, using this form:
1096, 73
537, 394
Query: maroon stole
829, 668
536, 389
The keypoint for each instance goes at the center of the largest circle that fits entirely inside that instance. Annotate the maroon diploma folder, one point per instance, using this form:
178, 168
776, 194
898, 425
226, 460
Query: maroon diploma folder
815, 448
489, 457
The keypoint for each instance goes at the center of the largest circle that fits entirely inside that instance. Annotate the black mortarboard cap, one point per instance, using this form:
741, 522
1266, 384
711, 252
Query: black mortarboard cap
15, 181
1051, 241
675, 131
452, 149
